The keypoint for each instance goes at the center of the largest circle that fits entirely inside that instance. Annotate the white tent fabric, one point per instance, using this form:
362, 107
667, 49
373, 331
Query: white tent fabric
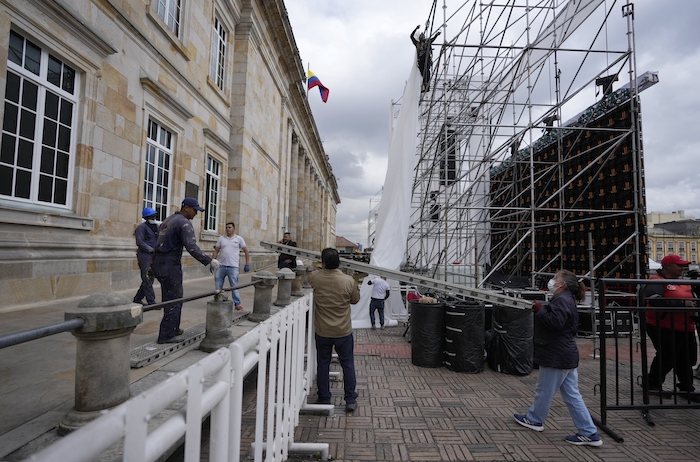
395, 207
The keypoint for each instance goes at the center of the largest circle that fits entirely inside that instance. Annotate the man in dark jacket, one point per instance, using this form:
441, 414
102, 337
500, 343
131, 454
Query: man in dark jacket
286, 260
175, 233
146, 235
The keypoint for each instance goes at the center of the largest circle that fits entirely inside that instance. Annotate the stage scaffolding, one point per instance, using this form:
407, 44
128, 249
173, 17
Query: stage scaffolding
530, 153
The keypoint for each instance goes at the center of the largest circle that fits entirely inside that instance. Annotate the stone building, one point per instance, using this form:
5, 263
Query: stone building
114, 105
678, 237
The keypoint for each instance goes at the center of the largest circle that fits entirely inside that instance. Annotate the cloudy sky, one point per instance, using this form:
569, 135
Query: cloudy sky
360, 49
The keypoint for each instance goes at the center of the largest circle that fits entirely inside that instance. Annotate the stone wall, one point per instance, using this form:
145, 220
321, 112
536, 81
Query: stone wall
132, 69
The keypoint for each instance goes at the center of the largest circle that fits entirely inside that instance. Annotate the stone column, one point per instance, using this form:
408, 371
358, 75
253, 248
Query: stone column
219, 319
298, 283
293, 187
298, 233
284, 289
307, 209
102, 362
318, 225
262, 301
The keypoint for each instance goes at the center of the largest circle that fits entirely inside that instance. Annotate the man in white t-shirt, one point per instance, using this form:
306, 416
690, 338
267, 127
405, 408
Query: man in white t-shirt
380, 292
227, 251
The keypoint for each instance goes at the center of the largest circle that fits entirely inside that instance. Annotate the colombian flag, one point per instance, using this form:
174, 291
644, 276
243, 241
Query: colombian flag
312, 81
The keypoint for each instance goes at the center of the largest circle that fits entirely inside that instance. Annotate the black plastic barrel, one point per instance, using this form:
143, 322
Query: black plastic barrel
464, 337
427, 334
510, 347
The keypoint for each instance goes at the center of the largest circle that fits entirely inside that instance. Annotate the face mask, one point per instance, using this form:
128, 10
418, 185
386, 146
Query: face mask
550, 285
153, 222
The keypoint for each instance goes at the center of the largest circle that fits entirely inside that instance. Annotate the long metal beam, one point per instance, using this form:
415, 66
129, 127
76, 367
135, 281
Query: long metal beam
454, 290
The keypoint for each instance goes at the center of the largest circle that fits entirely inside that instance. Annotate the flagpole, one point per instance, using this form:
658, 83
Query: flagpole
308, 67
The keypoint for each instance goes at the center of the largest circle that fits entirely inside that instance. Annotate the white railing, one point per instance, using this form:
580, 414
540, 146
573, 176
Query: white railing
214, 385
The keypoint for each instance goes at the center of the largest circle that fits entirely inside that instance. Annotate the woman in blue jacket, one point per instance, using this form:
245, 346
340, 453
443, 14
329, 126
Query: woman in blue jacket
556, 324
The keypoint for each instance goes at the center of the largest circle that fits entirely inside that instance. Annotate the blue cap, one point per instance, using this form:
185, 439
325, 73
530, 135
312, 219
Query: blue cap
148, 212
192, 202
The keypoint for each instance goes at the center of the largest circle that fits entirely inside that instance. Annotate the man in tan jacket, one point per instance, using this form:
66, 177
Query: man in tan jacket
334, 292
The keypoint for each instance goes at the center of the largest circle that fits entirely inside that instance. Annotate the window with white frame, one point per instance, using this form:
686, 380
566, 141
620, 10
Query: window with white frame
681, 246
670, 246
37, 148
218, 53
211, 213
659, 256
659, 245
170, 11
692, 246
156, 189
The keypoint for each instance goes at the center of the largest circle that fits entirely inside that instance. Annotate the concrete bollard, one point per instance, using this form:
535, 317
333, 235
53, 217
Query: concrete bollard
262, 301
102, 362
306, 284
219, 319
297, 284
284, 289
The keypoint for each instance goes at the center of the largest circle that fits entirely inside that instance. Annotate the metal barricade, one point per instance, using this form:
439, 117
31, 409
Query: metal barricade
626, 353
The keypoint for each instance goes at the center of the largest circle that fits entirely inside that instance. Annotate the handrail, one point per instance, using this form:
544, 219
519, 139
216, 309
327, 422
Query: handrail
16, 338
39, 332
177, 301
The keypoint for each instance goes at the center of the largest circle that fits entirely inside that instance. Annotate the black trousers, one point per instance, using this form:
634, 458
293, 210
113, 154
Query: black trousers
674, 350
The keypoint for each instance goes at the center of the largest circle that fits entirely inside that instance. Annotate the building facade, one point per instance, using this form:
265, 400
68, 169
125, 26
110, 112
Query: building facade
677, 237
111, 106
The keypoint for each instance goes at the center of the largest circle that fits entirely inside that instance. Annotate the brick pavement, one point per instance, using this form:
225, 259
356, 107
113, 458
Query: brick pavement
407, 412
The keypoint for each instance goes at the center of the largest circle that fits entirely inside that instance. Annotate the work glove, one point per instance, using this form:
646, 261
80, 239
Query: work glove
536, 306
214, 265
246, 268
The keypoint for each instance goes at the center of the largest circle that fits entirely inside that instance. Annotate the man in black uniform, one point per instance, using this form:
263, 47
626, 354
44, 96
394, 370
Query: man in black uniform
174, 233
146, 235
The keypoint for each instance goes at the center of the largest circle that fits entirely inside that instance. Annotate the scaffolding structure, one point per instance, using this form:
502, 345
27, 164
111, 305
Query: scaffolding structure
528, 154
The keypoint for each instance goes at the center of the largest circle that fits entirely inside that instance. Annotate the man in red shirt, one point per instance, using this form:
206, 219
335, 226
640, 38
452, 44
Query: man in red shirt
671, 332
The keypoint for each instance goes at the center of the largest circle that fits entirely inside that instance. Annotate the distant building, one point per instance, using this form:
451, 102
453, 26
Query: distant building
345, 246
654, 218
680, 236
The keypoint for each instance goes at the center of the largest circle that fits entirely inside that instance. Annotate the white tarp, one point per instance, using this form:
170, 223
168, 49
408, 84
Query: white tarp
395, 207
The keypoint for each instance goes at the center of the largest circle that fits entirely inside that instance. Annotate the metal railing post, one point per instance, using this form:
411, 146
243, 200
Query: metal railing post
102, 356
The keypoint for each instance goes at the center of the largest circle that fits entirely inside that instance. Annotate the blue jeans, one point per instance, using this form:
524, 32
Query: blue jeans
376, 304
232, 273
566, 381
344, 347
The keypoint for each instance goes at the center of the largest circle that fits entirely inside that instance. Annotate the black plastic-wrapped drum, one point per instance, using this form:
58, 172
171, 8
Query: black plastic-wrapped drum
510, 346
427, 334
464, 337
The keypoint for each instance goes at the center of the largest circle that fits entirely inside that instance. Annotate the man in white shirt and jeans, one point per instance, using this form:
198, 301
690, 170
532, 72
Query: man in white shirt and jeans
227, 251
380, 292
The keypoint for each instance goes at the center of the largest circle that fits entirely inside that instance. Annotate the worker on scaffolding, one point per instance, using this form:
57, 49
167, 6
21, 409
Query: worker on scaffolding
424, 50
